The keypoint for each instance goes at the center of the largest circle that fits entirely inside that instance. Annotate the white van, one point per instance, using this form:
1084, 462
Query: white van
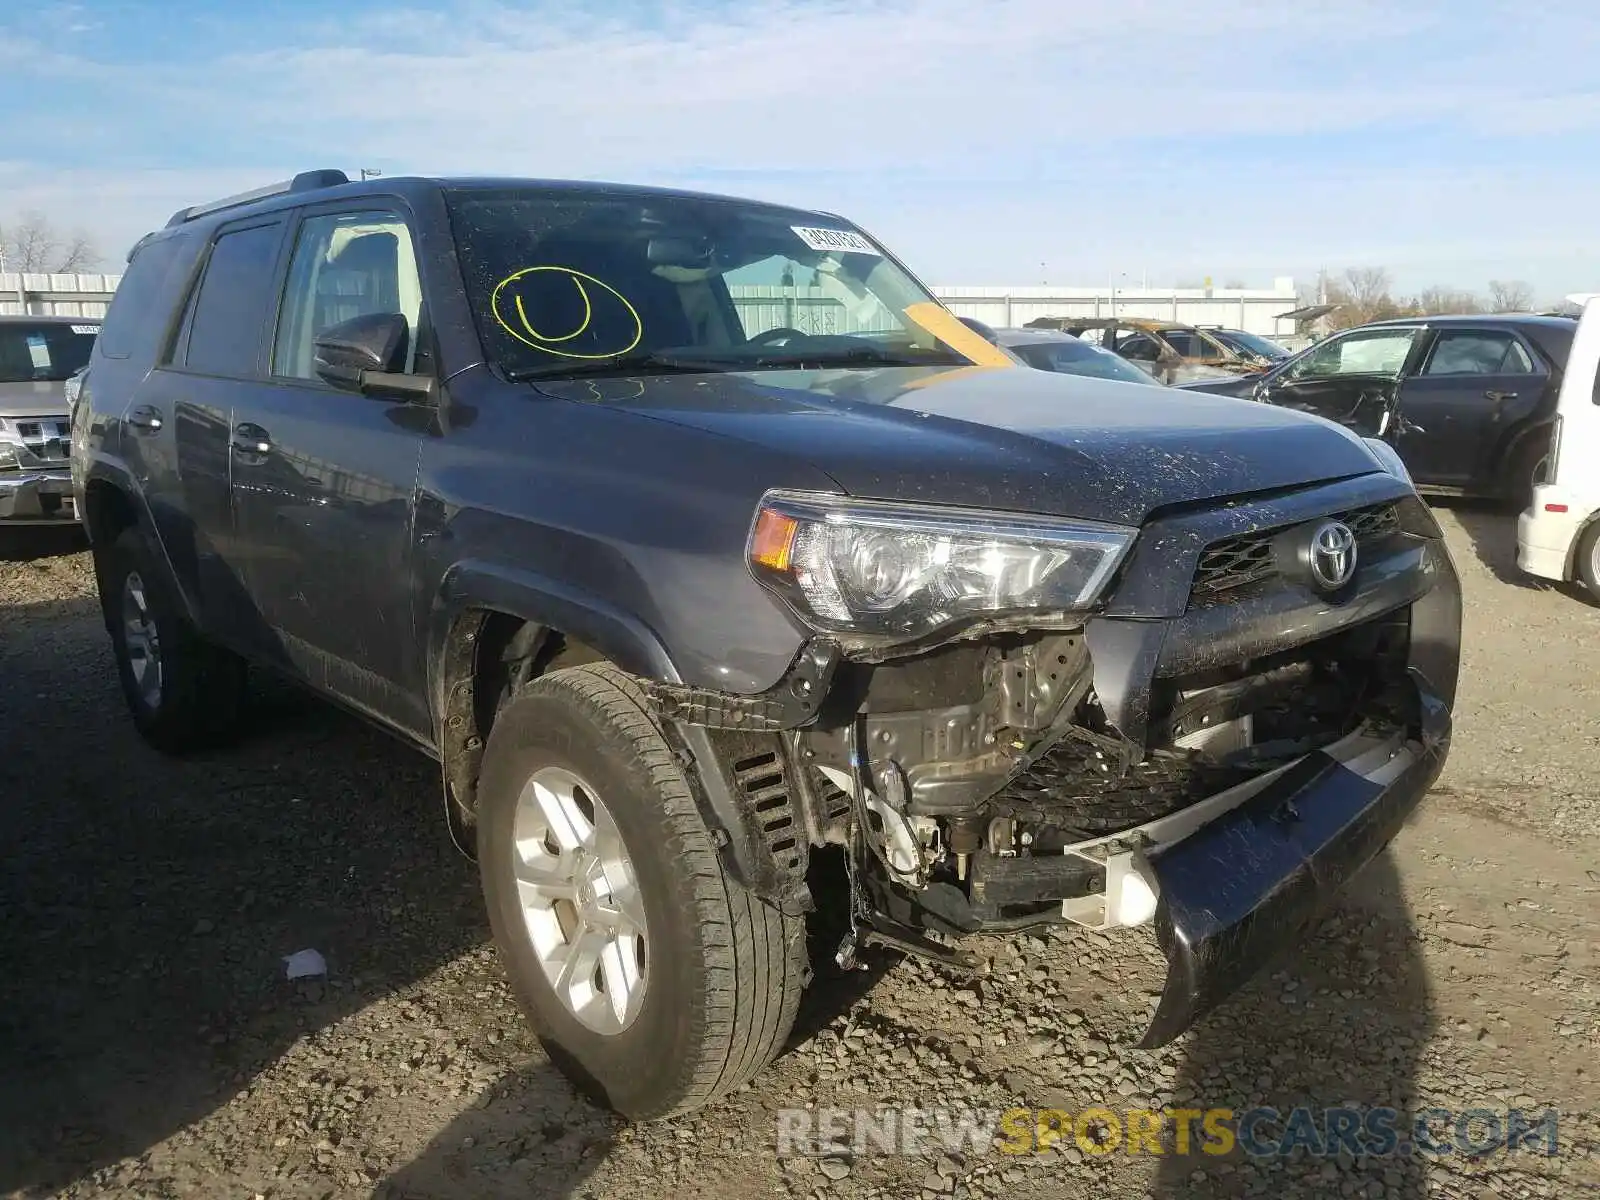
1558, 537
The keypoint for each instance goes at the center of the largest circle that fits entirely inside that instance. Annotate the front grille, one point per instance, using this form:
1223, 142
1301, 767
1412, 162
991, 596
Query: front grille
48, 439
1247, 558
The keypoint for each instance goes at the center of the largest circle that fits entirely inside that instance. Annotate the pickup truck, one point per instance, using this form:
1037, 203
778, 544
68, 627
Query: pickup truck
38, 358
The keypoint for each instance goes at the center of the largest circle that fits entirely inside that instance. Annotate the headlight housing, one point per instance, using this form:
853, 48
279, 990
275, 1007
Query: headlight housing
901, 570
1388, 458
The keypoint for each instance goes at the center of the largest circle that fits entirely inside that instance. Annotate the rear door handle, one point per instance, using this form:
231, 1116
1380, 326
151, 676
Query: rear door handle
250, 438
1498, 396
146, 417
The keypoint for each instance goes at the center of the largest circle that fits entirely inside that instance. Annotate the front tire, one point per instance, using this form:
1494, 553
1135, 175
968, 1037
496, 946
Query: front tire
655, 981
183, 693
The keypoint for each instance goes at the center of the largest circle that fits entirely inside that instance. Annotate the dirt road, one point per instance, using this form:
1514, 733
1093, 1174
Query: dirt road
152, 1047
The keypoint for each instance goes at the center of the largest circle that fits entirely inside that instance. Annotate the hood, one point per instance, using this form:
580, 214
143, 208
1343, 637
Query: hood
32, 400
1001, 437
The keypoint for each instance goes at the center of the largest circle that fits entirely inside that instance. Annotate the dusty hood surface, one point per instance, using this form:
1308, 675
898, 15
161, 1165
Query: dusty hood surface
30, 400
1006, 438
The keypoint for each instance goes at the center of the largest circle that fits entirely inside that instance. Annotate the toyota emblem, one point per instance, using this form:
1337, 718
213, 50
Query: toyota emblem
1333, 555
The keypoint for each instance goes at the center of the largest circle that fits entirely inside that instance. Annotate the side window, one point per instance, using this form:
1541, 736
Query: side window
1139, 347
1478, 352
231, 306
1184, 342
1374, 352
345, 265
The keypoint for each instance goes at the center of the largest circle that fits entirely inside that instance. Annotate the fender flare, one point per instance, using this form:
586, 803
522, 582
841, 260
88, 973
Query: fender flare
104, 471
480, 586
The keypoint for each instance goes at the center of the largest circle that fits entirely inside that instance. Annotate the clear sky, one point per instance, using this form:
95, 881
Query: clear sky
987, 141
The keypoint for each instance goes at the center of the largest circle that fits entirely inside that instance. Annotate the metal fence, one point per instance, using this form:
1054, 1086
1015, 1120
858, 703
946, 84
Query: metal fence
59, 295
810, 310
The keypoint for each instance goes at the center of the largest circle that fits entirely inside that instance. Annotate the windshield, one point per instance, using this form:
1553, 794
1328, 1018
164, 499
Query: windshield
1076, 358
563, 281
48, 350
1250, 343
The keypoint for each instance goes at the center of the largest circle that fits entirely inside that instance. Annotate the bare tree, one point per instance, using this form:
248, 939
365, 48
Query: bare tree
1509, 295
1362, 294
1437, 301
33, 243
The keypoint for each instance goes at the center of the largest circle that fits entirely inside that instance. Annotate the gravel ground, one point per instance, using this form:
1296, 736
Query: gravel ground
153, 1048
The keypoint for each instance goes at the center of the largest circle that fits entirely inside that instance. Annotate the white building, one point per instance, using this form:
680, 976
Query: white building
1254, 309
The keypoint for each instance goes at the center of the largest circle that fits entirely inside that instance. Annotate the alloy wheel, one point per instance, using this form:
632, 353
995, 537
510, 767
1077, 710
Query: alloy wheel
142, 640
580, 900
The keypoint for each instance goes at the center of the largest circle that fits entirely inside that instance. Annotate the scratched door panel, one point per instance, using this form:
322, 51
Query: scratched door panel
326, 509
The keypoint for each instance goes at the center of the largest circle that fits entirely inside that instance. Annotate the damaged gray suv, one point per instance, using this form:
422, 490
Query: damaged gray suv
696, 540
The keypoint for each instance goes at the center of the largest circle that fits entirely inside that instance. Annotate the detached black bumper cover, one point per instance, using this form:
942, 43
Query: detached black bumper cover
1249, 884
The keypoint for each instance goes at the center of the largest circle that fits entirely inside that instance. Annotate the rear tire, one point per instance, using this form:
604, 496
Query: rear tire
183, 692
695, 991
1588, 559
1528, 465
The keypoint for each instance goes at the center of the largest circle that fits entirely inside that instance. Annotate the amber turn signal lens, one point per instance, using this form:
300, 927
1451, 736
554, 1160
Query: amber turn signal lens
773, 543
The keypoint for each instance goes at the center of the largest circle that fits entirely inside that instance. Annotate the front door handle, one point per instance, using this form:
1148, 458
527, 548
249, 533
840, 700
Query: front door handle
146, 417
1499, 396
250, 438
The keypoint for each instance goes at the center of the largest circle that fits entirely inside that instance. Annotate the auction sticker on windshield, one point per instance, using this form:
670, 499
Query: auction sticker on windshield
835, 239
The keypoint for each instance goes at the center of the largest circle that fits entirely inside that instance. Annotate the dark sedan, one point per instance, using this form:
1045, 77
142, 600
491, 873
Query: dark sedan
1466, 400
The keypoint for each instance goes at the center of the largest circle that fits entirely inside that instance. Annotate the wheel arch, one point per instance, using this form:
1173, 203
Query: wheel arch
1517, 443
494, 629
108, 509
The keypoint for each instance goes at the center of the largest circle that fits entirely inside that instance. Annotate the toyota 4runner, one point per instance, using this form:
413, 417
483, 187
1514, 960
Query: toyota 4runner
692, 536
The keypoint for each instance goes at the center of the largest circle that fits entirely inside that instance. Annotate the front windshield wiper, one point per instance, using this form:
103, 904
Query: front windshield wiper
647, 363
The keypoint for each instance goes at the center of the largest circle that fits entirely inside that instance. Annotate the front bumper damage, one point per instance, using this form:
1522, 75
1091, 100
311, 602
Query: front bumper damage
1216, 754
37, 497
1236, 892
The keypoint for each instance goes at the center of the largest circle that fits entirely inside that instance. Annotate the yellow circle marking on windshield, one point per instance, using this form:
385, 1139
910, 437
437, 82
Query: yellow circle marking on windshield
529, 336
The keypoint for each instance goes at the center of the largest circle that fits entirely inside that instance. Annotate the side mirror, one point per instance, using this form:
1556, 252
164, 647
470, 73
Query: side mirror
346, 352
365, 354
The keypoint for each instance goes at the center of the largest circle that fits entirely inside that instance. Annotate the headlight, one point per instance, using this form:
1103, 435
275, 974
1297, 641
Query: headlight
12, 454
871, 567
1388, 459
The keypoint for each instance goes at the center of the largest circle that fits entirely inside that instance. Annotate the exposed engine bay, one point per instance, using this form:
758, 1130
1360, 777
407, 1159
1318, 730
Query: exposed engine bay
980, 786
989, 791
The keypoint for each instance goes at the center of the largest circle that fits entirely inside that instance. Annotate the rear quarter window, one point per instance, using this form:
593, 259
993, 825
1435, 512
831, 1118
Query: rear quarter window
145, 298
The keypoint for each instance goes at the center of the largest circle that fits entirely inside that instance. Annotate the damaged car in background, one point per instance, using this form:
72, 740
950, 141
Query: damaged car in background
690, 604
1170, 351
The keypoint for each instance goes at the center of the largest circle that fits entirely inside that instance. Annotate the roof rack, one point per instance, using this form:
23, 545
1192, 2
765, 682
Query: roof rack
306, 181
